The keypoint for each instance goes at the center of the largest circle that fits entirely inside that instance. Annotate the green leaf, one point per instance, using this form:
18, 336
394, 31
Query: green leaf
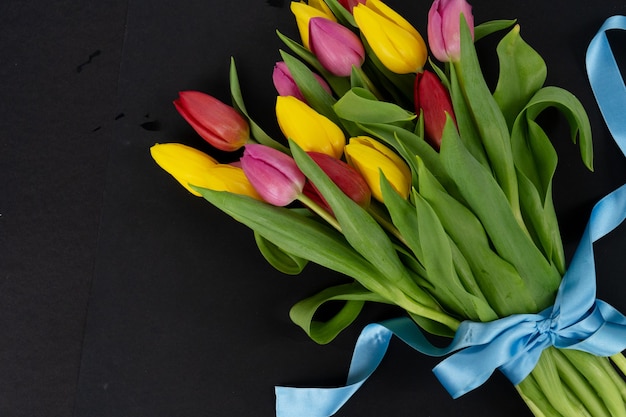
465, 120
300, 235
490, 122
438, 261
367, 237
574, 112
486, 199
361, 106
256, 131
280, 259
487, 28
313, 92
498, 282
354, 296
343, 16
522, 73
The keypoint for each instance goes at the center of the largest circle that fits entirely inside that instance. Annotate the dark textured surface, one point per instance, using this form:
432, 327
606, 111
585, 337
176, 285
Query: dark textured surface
122, 295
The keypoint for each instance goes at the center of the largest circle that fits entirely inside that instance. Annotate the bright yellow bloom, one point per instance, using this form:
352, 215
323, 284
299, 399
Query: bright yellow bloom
305, 12
189, 166
397, 44
370, 157
230, 178
312, 131
321, 5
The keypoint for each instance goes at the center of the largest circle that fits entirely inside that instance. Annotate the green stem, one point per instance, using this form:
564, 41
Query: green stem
617, 379
386, 224
601, 382
579, 385
320, 211
368, 83
620, 362
535, 399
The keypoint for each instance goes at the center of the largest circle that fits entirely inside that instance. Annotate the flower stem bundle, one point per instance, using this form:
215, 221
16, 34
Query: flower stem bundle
412, 178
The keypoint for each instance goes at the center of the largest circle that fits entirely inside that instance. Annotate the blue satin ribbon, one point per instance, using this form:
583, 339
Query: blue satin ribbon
513, 344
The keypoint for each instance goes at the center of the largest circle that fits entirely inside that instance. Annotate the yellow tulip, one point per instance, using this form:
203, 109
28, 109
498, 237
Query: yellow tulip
312, 131
396, 43
370, 157
305, 12
321, 5
189, 166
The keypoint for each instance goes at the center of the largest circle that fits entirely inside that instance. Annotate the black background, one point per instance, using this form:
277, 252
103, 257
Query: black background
123, 295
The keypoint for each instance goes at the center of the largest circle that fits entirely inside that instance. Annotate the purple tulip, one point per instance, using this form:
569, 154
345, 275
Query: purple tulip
273, 174
336, 47
285, 84
444, 35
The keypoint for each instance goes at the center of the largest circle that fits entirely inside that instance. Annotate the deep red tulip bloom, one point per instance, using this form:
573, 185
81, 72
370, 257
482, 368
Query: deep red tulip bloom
349, 4
218, 123
432, 98
344, 176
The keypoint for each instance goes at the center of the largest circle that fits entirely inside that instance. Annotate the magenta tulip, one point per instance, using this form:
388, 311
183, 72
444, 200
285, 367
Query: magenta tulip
344, 176
336, 47
444, 36
216, 122
285, 84
432, 98
273, 174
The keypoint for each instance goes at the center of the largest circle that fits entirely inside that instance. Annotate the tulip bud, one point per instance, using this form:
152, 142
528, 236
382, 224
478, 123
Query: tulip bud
370, 158
344, 176
189, 166
309, 129
274, 175
396, 43
336, 47
303, 13
216, 122
444, 32
350, 4
285, 84
432, 98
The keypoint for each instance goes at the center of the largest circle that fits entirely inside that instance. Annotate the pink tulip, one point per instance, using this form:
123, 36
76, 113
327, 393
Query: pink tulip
216, 122
273, 174
285, 84
444, 36
432, 98
344, 176
336, 47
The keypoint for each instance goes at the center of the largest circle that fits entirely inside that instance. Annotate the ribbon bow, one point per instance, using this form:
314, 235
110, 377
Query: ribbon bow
513, 344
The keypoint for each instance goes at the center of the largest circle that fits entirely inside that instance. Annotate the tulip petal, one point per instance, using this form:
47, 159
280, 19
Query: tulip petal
396, 48
303, 13
336, 47
217, 123
274, 175
186, 164
309, 129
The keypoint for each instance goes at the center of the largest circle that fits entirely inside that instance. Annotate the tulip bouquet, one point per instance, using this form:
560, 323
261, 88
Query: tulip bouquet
424, 188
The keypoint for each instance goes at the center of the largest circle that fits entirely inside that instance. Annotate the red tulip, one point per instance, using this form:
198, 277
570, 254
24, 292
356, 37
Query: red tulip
273, 174
218, 123
344, 176
336, 47
432, 98
349, 4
